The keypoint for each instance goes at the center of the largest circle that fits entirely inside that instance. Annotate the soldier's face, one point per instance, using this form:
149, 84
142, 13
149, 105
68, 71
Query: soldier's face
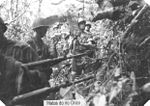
82, 26
87, 28
42, 31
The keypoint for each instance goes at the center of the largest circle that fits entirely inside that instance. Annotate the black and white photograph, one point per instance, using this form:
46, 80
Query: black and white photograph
74, 52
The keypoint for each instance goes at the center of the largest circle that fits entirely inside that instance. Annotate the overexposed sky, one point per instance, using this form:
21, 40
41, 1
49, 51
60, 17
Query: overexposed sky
48, 9
147, 1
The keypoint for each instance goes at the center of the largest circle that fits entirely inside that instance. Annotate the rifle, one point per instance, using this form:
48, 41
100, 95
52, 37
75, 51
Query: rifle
54, 61
44, 91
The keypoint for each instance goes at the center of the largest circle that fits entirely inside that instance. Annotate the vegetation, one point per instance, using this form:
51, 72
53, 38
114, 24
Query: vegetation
120, 61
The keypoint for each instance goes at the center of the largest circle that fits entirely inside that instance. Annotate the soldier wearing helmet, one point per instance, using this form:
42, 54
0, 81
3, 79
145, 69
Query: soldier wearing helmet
16, 51
81, 25
88, 27
40, 27
80, 45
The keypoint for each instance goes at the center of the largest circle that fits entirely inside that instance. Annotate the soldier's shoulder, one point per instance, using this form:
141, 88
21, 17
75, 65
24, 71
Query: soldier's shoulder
31, 40
21, 44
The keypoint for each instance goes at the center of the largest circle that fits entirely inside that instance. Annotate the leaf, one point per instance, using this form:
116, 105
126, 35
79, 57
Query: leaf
117, 72
100, 100
64, 91
52, 82
81, 98
115, 91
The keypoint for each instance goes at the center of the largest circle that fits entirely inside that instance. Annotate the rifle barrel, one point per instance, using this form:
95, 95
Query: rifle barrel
28, 96
40, 62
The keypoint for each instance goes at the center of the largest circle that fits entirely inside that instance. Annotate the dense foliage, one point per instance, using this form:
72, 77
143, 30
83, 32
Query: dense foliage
115, 82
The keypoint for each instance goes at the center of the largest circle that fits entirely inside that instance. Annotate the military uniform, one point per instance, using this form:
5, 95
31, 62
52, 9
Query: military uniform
37, 43
21, 52
18, 50
42, 49
16, 79
10, 71
80, 45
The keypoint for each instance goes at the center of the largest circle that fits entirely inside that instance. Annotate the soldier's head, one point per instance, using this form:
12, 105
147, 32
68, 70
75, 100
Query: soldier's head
88, 27
134, 5
99, 2
81, 24
40, 27
3, 26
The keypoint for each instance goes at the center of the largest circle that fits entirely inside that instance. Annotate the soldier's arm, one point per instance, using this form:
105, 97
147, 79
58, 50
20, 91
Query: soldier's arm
22, 52
53, 52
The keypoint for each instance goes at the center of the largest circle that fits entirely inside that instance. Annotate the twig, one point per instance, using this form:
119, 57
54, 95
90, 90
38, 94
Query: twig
58, 2
145, 40
19, 15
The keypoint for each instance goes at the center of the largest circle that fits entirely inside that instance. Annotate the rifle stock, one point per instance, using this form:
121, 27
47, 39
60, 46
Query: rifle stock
36, 93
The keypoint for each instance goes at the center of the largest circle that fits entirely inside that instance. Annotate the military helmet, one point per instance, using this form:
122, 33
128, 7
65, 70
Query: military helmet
88, 24
81, 21
39, 22
3, 24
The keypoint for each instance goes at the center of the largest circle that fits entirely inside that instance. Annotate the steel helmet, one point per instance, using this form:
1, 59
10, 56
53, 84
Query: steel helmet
3, 24
81, 21
39, 22
88, 24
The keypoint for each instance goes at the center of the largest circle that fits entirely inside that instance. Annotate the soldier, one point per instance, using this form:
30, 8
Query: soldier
40, 28
81, 24
19, 50
79, 45
83, 35
88, 27
16, 79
